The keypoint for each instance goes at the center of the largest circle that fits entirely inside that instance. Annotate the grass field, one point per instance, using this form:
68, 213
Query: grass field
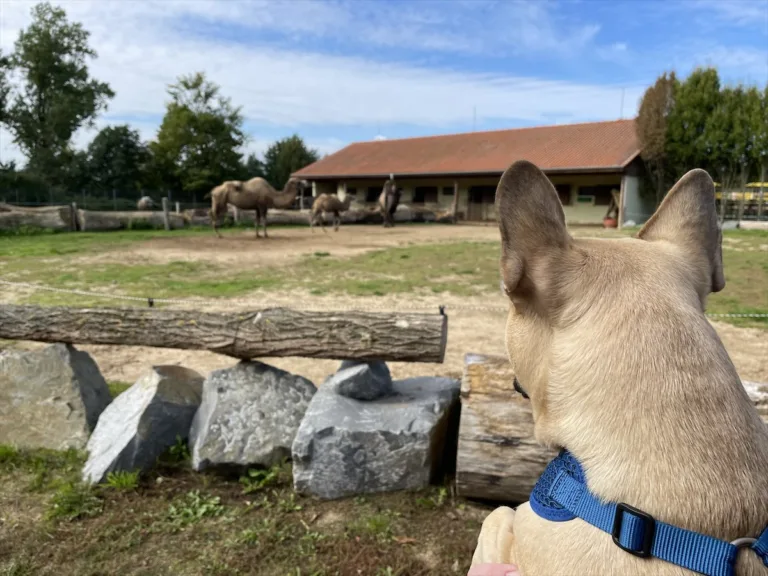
174, 521
461, 268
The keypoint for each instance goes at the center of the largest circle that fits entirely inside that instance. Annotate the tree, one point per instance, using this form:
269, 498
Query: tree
695, 100
651, 126
57, 95
721, 140
197, 146
5, 88
285, 157
253, 167
759, 121
117, 160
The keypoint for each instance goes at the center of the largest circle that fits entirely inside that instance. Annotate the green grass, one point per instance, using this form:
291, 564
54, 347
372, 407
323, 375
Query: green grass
459, 268
180, 522
117, 388
123, 480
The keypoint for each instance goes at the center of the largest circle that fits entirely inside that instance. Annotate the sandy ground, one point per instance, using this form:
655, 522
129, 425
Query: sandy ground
470, 331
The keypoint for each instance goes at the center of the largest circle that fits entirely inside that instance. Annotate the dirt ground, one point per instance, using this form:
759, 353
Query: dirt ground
470, 331
287, 245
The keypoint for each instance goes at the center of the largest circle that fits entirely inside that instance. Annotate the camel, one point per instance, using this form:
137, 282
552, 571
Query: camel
388, 201
255, 194
145, 203
328, 203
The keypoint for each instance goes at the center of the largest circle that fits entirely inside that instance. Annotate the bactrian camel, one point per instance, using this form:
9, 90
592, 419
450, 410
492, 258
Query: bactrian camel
388, 201
256, 194
328, 204
145, 203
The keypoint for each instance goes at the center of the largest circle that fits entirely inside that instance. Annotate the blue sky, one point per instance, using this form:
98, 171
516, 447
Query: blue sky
337, 71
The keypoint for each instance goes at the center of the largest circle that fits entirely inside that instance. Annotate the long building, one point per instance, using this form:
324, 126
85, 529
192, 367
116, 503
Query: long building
585, 162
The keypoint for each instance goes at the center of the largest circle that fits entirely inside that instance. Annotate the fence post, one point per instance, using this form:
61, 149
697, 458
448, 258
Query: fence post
178, 208
166, 218
236, 211
74, 216
455, 205
762, 197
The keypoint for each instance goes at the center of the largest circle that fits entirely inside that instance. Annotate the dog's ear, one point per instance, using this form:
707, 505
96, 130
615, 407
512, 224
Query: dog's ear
532, 226
687, 217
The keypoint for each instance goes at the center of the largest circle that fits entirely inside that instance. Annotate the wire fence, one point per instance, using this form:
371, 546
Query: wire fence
264, 303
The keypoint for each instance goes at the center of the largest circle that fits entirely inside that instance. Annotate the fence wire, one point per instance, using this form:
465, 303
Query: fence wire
264, 303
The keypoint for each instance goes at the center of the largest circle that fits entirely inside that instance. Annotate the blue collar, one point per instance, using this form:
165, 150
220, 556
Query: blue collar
561, 494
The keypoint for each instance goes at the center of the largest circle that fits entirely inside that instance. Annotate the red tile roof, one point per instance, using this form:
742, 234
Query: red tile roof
595, 146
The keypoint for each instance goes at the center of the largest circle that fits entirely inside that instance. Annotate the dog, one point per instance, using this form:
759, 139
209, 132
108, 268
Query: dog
609, 340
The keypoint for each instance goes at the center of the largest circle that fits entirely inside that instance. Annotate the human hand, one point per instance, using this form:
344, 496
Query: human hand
493, 570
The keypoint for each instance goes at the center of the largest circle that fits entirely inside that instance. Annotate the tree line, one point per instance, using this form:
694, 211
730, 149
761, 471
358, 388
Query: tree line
47, 94
699, 123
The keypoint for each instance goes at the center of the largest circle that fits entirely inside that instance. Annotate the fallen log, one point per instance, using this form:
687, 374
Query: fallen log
498, 458
57, 218
95, 221
262, 333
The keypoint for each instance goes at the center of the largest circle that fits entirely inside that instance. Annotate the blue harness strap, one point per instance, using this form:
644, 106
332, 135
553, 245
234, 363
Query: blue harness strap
561, 494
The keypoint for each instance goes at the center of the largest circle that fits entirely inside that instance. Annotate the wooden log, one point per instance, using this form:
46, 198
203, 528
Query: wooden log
49, 218
261, 333
94, 221
498, 458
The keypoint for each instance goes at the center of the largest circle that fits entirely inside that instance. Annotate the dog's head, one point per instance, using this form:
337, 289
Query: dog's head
577, 305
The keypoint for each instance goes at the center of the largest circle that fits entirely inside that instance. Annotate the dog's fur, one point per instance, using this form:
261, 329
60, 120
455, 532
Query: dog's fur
609, 339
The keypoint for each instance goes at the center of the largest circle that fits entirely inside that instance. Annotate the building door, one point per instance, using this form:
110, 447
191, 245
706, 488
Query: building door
481, 199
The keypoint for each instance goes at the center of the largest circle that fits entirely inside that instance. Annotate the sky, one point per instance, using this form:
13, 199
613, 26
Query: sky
341, 71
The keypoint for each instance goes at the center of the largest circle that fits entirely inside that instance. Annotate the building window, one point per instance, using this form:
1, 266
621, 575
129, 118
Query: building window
564, 193
425, 195
601, 195
373, 194
447, 190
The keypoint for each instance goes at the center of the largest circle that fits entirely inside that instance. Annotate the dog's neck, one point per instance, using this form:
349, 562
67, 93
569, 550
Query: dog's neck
661, 421
647, 399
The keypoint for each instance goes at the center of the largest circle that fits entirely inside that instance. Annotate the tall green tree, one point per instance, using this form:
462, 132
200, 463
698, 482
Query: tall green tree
117, 161
253, 167
199, 141
5, 88
758, 118
723, 133
695, 100
56, 96
285, 157
651, 126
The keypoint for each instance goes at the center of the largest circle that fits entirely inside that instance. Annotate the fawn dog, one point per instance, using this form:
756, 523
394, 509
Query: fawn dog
609, 340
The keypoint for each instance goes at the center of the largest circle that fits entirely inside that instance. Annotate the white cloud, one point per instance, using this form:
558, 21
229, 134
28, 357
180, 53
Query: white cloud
143, 47
739, 12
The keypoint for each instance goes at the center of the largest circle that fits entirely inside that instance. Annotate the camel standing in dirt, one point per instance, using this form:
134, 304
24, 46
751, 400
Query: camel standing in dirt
256, 194
388, 201
328, 204
145, 203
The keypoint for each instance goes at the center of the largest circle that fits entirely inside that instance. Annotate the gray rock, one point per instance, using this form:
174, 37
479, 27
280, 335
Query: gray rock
361, 380
143, 422
346, 446
50, 398
249, 416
